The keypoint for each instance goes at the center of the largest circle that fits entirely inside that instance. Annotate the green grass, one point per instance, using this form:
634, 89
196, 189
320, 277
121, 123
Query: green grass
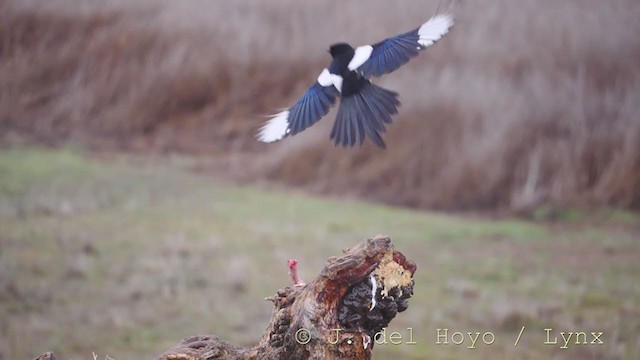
123, 256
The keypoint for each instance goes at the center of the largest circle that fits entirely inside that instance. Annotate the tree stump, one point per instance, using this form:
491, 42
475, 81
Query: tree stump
335, 316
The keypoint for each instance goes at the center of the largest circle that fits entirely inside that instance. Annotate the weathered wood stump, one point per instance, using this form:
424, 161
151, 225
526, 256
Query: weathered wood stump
335, 316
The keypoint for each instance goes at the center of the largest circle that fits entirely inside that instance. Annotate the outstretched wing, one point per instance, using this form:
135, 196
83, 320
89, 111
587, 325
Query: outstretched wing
311, 107
388, 55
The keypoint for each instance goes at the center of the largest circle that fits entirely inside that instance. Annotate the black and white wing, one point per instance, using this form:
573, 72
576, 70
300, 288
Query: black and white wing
311, 107
389, 54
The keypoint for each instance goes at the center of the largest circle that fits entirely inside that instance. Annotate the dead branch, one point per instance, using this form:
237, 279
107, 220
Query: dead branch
335, 316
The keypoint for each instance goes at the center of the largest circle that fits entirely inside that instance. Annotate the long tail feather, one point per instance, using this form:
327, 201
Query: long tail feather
364, 114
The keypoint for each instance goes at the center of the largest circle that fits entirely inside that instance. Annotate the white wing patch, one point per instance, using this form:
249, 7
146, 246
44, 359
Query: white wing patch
325, 78
276, 128
362, 54
434, 29
337, 81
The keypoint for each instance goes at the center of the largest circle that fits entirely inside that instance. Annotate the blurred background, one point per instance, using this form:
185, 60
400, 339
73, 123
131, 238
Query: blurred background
137, 208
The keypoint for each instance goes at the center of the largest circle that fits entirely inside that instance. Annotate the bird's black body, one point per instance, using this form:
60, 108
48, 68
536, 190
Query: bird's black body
352, 82
365, 108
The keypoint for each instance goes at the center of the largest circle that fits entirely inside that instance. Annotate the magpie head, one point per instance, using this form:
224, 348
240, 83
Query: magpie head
340, 49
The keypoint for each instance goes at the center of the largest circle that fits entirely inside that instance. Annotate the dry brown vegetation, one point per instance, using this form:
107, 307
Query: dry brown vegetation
525, 103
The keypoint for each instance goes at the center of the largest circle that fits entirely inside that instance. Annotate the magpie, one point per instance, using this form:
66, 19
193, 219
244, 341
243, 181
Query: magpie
365, 108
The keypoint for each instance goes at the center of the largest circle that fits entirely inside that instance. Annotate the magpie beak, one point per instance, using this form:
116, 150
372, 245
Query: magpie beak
365, 108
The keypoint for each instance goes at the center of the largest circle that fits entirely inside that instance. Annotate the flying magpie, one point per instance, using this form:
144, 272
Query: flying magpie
365, 108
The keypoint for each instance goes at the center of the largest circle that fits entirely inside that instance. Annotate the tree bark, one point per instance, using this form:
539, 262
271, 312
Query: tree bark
335, 316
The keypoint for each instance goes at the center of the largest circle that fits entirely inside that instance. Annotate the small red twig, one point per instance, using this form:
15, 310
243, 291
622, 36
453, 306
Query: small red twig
293, 272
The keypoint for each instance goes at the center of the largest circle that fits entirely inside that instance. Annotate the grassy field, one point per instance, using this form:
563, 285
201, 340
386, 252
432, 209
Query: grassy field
123, 256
